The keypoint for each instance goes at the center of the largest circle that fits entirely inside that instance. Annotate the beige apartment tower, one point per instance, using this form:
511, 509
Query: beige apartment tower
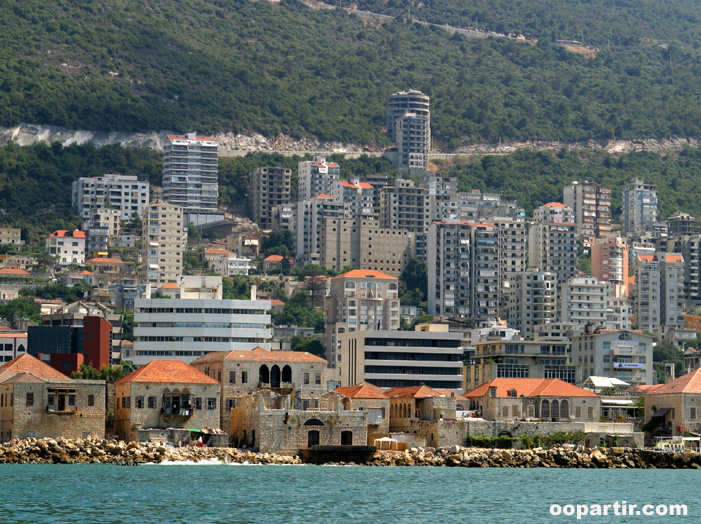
164, 239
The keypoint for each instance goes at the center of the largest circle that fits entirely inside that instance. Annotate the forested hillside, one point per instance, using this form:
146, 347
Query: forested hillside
235, 65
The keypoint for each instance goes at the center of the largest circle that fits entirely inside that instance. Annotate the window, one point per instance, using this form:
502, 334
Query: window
30, 399
211, 403
244, 377
692, 413
126, 402
230, 403
152, 402
198, 402
71, 399
306, 378
232, 377
317, 378
91, 401
139, 402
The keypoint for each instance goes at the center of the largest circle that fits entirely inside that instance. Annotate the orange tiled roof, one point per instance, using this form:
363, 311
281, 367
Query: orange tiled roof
365, 273
105, 260
68, 233
362, 185
673, 258
273, 258
323, 195
363, 390
643, 388
261, 355
28, 364
85, 272
22, 334
554, 204
276, 302
219, 251
530, 387
13, 271
168, 371
413, 392
450, 393
170, 285
689, 383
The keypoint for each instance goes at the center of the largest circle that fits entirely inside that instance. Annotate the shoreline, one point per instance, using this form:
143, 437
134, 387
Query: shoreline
94, 450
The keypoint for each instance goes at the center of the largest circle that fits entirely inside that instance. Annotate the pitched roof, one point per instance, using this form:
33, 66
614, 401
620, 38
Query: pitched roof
24, 378
450, 393
413, 392
26, 363
554, 204
365, 273
363, 390
323, 195
273, 258
260, 355
689, 383
673, 258
530, 387
644, 388
105, 260
168, 371
219, 251
15, 271
361, 185
276, 302
170, 285
85, 272
68, 233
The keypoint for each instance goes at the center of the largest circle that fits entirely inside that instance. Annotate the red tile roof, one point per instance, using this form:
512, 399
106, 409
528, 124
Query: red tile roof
219, 251
643, 388
105, 260
689, 383
85, 272
273, 258
673, 258
362, 185
260, 355
530, 387
168, 371
68, 233
364, 390
13, 271
365, 273
323, 195
276, 302
554, 204
170, 285
413, 392
28, 364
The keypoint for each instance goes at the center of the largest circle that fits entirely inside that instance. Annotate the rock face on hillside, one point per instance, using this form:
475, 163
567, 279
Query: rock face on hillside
109, 451
27, 134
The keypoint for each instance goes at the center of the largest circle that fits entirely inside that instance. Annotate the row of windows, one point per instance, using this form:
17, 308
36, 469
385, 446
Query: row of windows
399, 342
410, 370
380, 355
173, 403
207, 311
199, 339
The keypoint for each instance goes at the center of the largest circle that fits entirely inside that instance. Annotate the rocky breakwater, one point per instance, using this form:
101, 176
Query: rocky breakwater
559, 457
110, 451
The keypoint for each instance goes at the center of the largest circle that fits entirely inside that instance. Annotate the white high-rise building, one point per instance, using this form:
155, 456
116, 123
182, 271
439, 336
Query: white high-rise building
316, 177
123, 193
533, 300
190, 173
585, 301
164, 238
659, 292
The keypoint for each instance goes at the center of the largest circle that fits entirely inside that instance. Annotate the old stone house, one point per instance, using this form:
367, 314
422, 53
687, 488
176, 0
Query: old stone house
38, 401
551, 400
675, 408
165, 394
370, 399
295, 373
270, 423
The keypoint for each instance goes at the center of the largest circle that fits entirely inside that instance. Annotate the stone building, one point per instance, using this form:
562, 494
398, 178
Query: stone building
295, 373
38, 401
549, 400
370, 399
274, 423
675, 408
165, 394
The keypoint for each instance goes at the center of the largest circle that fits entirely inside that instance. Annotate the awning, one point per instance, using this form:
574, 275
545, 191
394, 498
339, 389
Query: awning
661, 412
195, 431
616, 402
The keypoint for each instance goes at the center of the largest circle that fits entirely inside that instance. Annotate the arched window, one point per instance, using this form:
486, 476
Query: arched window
275, 376
287, 374
554, 408
564, 410
392, 287
313, 422
545, 409
264, 375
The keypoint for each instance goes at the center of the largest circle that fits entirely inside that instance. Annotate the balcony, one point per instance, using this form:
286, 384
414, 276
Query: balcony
61, 410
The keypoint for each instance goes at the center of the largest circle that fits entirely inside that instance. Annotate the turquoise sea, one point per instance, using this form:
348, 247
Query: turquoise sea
242, 494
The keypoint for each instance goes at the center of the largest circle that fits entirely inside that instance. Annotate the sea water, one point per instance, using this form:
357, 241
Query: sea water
253, 494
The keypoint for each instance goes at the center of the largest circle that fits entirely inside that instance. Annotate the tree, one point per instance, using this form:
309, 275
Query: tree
280, 242
415, 276
21, 307
128, 326
311, 345
422, 319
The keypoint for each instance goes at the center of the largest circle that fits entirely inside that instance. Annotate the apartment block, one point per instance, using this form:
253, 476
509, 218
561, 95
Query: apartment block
409, 127
691, 252
358, 197
68, 246
553, 241
533, 300
463, 270
124, 193
310, 223
359, 300
11, 235
639, 207
285, 217
404, 206
591, 205
442, 191
680, 223
269, 187
585, 301
362, 243
316, 177
475, 205
609, 262
625, 355
164, 239
431, 356
659, 292
102, 226
511, 244
190, 172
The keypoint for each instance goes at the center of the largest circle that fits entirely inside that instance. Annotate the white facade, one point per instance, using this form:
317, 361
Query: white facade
68, 246
626, 355
316, 177
358, 197
532, 301
185, 329
310, 222
659, 291
190, 172
121, 192
585, 301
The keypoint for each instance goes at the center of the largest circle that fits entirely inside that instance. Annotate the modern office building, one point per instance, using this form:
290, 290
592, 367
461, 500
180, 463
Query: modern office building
190, 173
123, 193
164, 239
431, 355
552, 242
639, 206
463, 270
316, 177
409, 127
268, 187
359, 300
533, 300
591, 205
659, 295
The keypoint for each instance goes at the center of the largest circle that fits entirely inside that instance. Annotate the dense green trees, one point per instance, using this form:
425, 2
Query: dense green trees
22, 307
240, 66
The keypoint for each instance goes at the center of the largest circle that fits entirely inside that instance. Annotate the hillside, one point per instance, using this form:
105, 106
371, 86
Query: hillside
240, 66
